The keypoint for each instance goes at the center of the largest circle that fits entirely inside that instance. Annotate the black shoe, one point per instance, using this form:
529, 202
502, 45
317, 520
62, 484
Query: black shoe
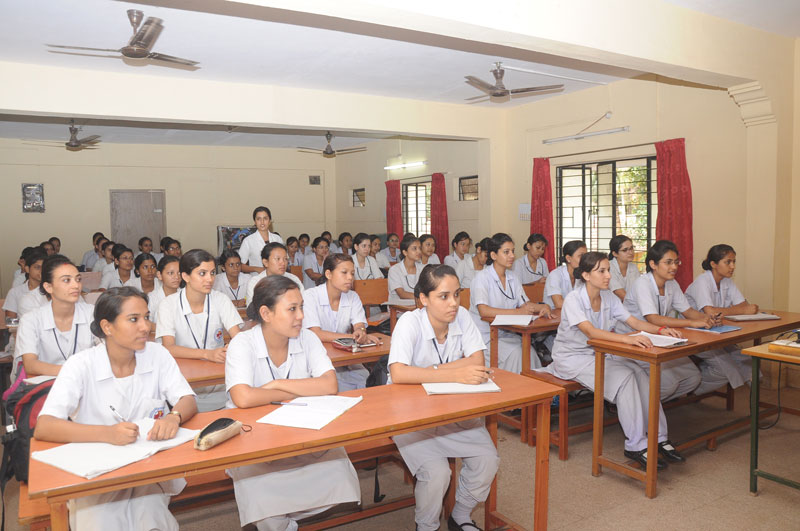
668, 451
469, 526
641, 458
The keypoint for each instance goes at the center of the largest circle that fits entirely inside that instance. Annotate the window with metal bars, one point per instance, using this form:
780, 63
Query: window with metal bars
597, 201
359, 197
468, 188
417, 208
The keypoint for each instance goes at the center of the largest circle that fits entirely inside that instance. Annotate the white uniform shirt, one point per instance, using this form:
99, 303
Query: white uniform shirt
414, 341
298, 259
487, 289
86, 387
570, 351
14, 296
158, 257
19, 278
89, 258
197, 330
643, 299
434, 259
250, 251
620, 282
154, 299
317, 310
453, 260
136, 282
386, 260
703, 292
112, 280
558, 283
31, 301
223, 285
334, 248
399, 278
465, 270
251, 286
107, 269
248, 362
310, 262
370, 271
527, 274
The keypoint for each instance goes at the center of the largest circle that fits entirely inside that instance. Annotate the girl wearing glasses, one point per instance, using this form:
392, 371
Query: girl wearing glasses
496, 291
623, 271
366, 267
404, 274
531, 267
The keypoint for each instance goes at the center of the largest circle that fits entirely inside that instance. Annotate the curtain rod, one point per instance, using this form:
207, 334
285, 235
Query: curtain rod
601, 150
419, 176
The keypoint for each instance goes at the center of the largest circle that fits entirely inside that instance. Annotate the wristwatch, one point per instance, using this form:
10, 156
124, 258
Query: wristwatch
178, 414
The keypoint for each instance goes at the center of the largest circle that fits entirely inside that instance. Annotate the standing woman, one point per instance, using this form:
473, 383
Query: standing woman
312, 265
233, 284
467, 269
332, 309
460, 245
136, 379
715, 294
531, 267
250, 250
404, 274
51, 334
390, 255
496, 291
591, 311
277, 361
440, 343
561, 280
623, 271
428, 245
296, 257
144, 266
169, 277
366, 267
33, 276
122, 275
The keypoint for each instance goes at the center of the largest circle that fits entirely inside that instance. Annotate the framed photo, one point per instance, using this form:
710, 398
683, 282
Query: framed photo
231, 237
32, 197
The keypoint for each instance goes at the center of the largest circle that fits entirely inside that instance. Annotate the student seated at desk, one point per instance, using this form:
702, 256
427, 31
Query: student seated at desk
344, 244
250, 250
715, 294
33, 276
332, 309
467, 269
101, 391
428, 246
169, 278
55, 241
53, 333
561, 281
91, 256
312, 264
232, 283
440, 343
366, 267
144, 269
122, 274
403, 275
623, 271
274, 260
391, 254
106, 261
460, 243
296, 258
496, 291
532, 267
277, 361
592, 312
19, 274
303, 241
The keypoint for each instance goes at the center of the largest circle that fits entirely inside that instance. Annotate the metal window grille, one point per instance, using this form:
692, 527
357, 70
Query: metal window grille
417, 208
468, 188
359, 197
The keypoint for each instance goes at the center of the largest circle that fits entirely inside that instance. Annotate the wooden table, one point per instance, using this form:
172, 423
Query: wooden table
698, 342
395, 308
758, 353
385, 411
342, 358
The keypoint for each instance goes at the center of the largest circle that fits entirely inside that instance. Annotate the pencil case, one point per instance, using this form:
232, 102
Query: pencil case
217, 432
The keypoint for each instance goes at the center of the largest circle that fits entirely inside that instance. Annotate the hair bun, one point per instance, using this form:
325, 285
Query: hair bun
96, 330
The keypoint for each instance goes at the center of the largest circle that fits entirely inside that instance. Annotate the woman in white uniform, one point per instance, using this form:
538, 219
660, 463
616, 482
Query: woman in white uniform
101, 391
391, 254
561, 281
33, 276
428, 246
250, 250
531, 267
274, 258
145, 246
404, 274
591, 312
312, 265
105, 263
715, 294
233, 283
145, 269
91, 256
375, 245
277, 361
332, 309
345, 244
169, 277
623, 271
460, 243
467, 269
122, 275
293, 249
655, 297
496, 291
303, 241
366, 267
50, 335
19, 274
440, 343
191, 323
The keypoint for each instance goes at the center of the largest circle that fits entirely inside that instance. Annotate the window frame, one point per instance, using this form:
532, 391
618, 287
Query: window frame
426, 220
358, 202
461, 183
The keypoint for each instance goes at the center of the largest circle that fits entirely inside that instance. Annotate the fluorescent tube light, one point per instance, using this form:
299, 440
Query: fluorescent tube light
584, 135
406, 165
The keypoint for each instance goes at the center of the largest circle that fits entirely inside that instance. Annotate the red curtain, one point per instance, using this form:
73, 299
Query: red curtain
542, 208
394, 216
439, 227
675, 204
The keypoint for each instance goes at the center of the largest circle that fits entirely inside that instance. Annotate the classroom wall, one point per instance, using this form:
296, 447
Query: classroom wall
205, 187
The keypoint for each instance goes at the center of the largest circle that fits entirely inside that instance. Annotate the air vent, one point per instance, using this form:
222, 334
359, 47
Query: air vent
313, 180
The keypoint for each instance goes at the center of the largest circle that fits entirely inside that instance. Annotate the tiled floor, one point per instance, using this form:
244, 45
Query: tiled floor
708, 492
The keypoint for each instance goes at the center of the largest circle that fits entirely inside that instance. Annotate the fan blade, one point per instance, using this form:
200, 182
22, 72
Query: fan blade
350, 150
171, 59
86, 54
90, 139
309, 150
479, 83
536, 89
487, 98
82, 48
476, 97
55, 145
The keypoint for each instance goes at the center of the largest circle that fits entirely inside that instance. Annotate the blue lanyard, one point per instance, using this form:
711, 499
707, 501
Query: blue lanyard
436, 346
74, 342
208, 318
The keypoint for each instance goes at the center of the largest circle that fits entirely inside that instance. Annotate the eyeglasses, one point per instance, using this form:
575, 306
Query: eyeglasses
627, 249
672, 262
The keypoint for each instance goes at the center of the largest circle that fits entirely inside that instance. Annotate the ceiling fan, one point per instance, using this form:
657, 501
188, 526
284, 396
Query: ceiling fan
74, 143
139, 46
499, 90
329, 151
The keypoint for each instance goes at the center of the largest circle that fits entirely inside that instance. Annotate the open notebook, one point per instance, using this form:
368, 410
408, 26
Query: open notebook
664, 341
314, 414
452, 388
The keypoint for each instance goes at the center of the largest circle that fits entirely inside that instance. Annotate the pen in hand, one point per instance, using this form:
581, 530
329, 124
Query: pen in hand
116, 414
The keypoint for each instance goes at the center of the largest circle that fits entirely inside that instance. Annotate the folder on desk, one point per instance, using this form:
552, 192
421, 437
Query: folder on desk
310, 412
513, 320
721, 329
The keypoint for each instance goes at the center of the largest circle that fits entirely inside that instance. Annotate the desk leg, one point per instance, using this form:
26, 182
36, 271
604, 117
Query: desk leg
652, 430
392, 318
597, 431
525, 419
754, 397
490, 507
526, 352
59, 519
494, 353
540, 492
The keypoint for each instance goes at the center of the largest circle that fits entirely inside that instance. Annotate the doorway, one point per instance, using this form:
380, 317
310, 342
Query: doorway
137, 213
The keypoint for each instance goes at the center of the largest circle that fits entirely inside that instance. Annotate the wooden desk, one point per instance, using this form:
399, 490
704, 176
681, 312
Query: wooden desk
699, 342
395, 308
385, 411
757, 353
342, 358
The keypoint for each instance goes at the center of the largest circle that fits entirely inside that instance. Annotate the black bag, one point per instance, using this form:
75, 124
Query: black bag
379, 374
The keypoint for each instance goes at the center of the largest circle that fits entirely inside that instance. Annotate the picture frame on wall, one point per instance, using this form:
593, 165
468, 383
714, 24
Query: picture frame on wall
231, 237
32, 197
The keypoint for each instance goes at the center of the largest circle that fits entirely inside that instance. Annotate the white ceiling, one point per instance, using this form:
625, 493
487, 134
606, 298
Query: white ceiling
775, 16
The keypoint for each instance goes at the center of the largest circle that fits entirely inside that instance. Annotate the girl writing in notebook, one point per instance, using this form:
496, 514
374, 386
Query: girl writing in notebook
233, 283
403, 275
440, 343
98, 395
532, 267
276, 361
561, 281
366, 267
623, 270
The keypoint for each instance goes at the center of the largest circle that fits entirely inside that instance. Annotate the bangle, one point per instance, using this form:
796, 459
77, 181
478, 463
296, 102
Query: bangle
178, 414
662, 328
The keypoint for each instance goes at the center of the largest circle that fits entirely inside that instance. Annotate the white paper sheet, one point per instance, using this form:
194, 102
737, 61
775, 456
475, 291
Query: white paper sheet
453, 388
761, 316
663, 341
516, 320
315, 415
36, 380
